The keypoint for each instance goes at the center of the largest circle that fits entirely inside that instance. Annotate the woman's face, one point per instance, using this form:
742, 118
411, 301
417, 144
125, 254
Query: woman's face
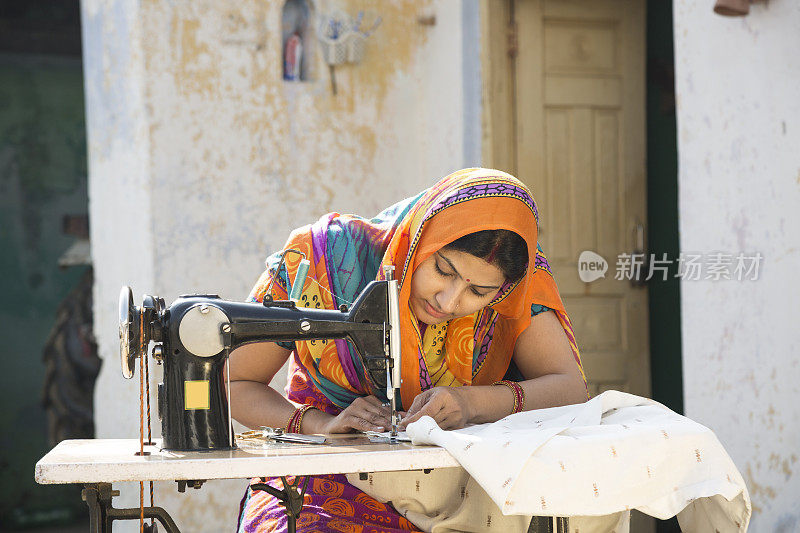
451, 284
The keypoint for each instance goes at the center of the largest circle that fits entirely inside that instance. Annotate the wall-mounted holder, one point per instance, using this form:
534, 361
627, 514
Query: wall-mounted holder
344, 39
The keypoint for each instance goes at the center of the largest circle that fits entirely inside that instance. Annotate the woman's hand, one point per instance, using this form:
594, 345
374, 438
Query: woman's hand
366, 413
448, 406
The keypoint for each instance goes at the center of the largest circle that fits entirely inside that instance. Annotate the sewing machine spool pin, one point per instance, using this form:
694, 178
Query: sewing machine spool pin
393, 369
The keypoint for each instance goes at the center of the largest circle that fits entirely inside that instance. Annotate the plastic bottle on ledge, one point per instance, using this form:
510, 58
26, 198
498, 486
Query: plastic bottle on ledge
293, 56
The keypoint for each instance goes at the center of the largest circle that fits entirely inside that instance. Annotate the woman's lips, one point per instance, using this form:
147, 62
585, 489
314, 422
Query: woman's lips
433, 312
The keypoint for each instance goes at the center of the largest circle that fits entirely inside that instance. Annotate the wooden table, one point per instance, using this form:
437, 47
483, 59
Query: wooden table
97, 463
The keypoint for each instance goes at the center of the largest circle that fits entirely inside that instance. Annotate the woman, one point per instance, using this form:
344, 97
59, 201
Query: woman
477, 303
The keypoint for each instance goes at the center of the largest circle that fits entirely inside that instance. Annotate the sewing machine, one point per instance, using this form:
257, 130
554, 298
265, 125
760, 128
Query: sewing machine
194, 337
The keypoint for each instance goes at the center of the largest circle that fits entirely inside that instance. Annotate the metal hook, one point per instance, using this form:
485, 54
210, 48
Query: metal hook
267, 293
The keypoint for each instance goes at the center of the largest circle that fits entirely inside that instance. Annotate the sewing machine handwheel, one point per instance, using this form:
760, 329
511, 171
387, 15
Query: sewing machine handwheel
128, 332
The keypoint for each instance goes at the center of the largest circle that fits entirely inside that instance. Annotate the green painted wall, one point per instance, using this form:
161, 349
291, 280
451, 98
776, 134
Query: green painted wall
42, 178
662, 214
662, 206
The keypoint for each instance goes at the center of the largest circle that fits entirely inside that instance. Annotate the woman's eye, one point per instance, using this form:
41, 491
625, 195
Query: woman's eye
439, 270
476, 292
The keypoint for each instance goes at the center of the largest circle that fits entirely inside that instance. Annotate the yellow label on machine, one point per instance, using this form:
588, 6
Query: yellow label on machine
196, 394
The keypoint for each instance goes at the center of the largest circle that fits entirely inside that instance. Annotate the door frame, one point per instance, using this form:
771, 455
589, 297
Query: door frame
498, 70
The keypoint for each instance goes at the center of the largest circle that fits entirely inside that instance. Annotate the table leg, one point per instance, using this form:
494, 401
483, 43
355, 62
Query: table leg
549, 524
290, 498
102, 512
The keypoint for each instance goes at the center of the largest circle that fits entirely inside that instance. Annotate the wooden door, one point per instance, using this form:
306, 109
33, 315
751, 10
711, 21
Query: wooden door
577, 79
577, 90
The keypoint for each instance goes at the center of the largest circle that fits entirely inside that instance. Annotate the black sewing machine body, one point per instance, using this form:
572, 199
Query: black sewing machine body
194, 336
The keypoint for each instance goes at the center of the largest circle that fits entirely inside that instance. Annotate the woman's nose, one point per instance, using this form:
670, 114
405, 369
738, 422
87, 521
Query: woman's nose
448, 299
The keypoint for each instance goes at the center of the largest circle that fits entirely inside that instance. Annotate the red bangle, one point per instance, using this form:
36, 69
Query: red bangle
519, 394
293, 426
289, 428
301, 412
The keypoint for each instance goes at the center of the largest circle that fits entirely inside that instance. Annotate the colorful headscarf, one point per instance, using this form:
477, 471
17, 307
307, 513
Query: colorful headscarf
347, 252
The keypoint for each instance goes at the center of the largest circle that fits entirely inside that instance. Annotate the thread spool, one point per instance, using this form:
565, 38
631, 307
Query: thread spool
299, 280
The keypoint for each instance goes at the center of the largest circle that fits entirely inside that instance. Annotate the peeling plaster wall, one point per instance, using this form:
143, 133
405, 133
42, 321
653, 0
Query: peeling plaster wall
739, 129
202, 158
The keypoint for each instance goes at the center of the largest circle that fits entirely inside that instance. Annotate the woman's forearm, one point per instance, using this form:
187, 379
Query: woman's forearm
493, 402
255, 404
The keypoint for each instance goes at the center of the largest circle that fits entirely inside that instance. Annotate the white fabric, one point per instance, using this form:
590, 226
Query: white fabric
599, 459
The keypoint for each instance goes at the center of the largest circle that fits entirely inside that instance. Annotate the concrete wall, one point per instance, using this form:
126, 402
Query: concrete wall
738, 134
201, 158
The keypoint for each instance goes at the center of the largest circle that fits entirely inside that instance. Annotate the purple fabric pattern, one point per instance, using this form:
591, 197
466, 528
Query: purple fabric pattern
541, 262
330, 504
483, 190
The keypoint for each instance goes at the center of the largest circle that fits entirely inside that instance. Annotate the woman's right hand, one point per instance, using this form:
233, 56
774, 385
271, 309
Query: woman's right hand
366, 413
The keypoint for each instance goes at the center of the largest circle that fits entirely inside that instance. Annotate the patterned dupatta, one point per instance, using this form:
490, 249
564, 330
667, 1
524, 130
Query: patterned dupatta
347, 252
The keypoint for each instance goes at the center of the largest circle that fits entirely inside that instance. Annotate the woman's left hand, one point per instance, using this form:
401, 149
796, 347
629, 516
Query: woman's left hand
448, 406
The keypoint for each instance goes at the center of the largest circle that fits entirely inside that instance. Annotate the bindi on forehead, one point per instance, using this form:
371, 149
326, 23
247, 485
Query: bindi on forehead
455, 269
